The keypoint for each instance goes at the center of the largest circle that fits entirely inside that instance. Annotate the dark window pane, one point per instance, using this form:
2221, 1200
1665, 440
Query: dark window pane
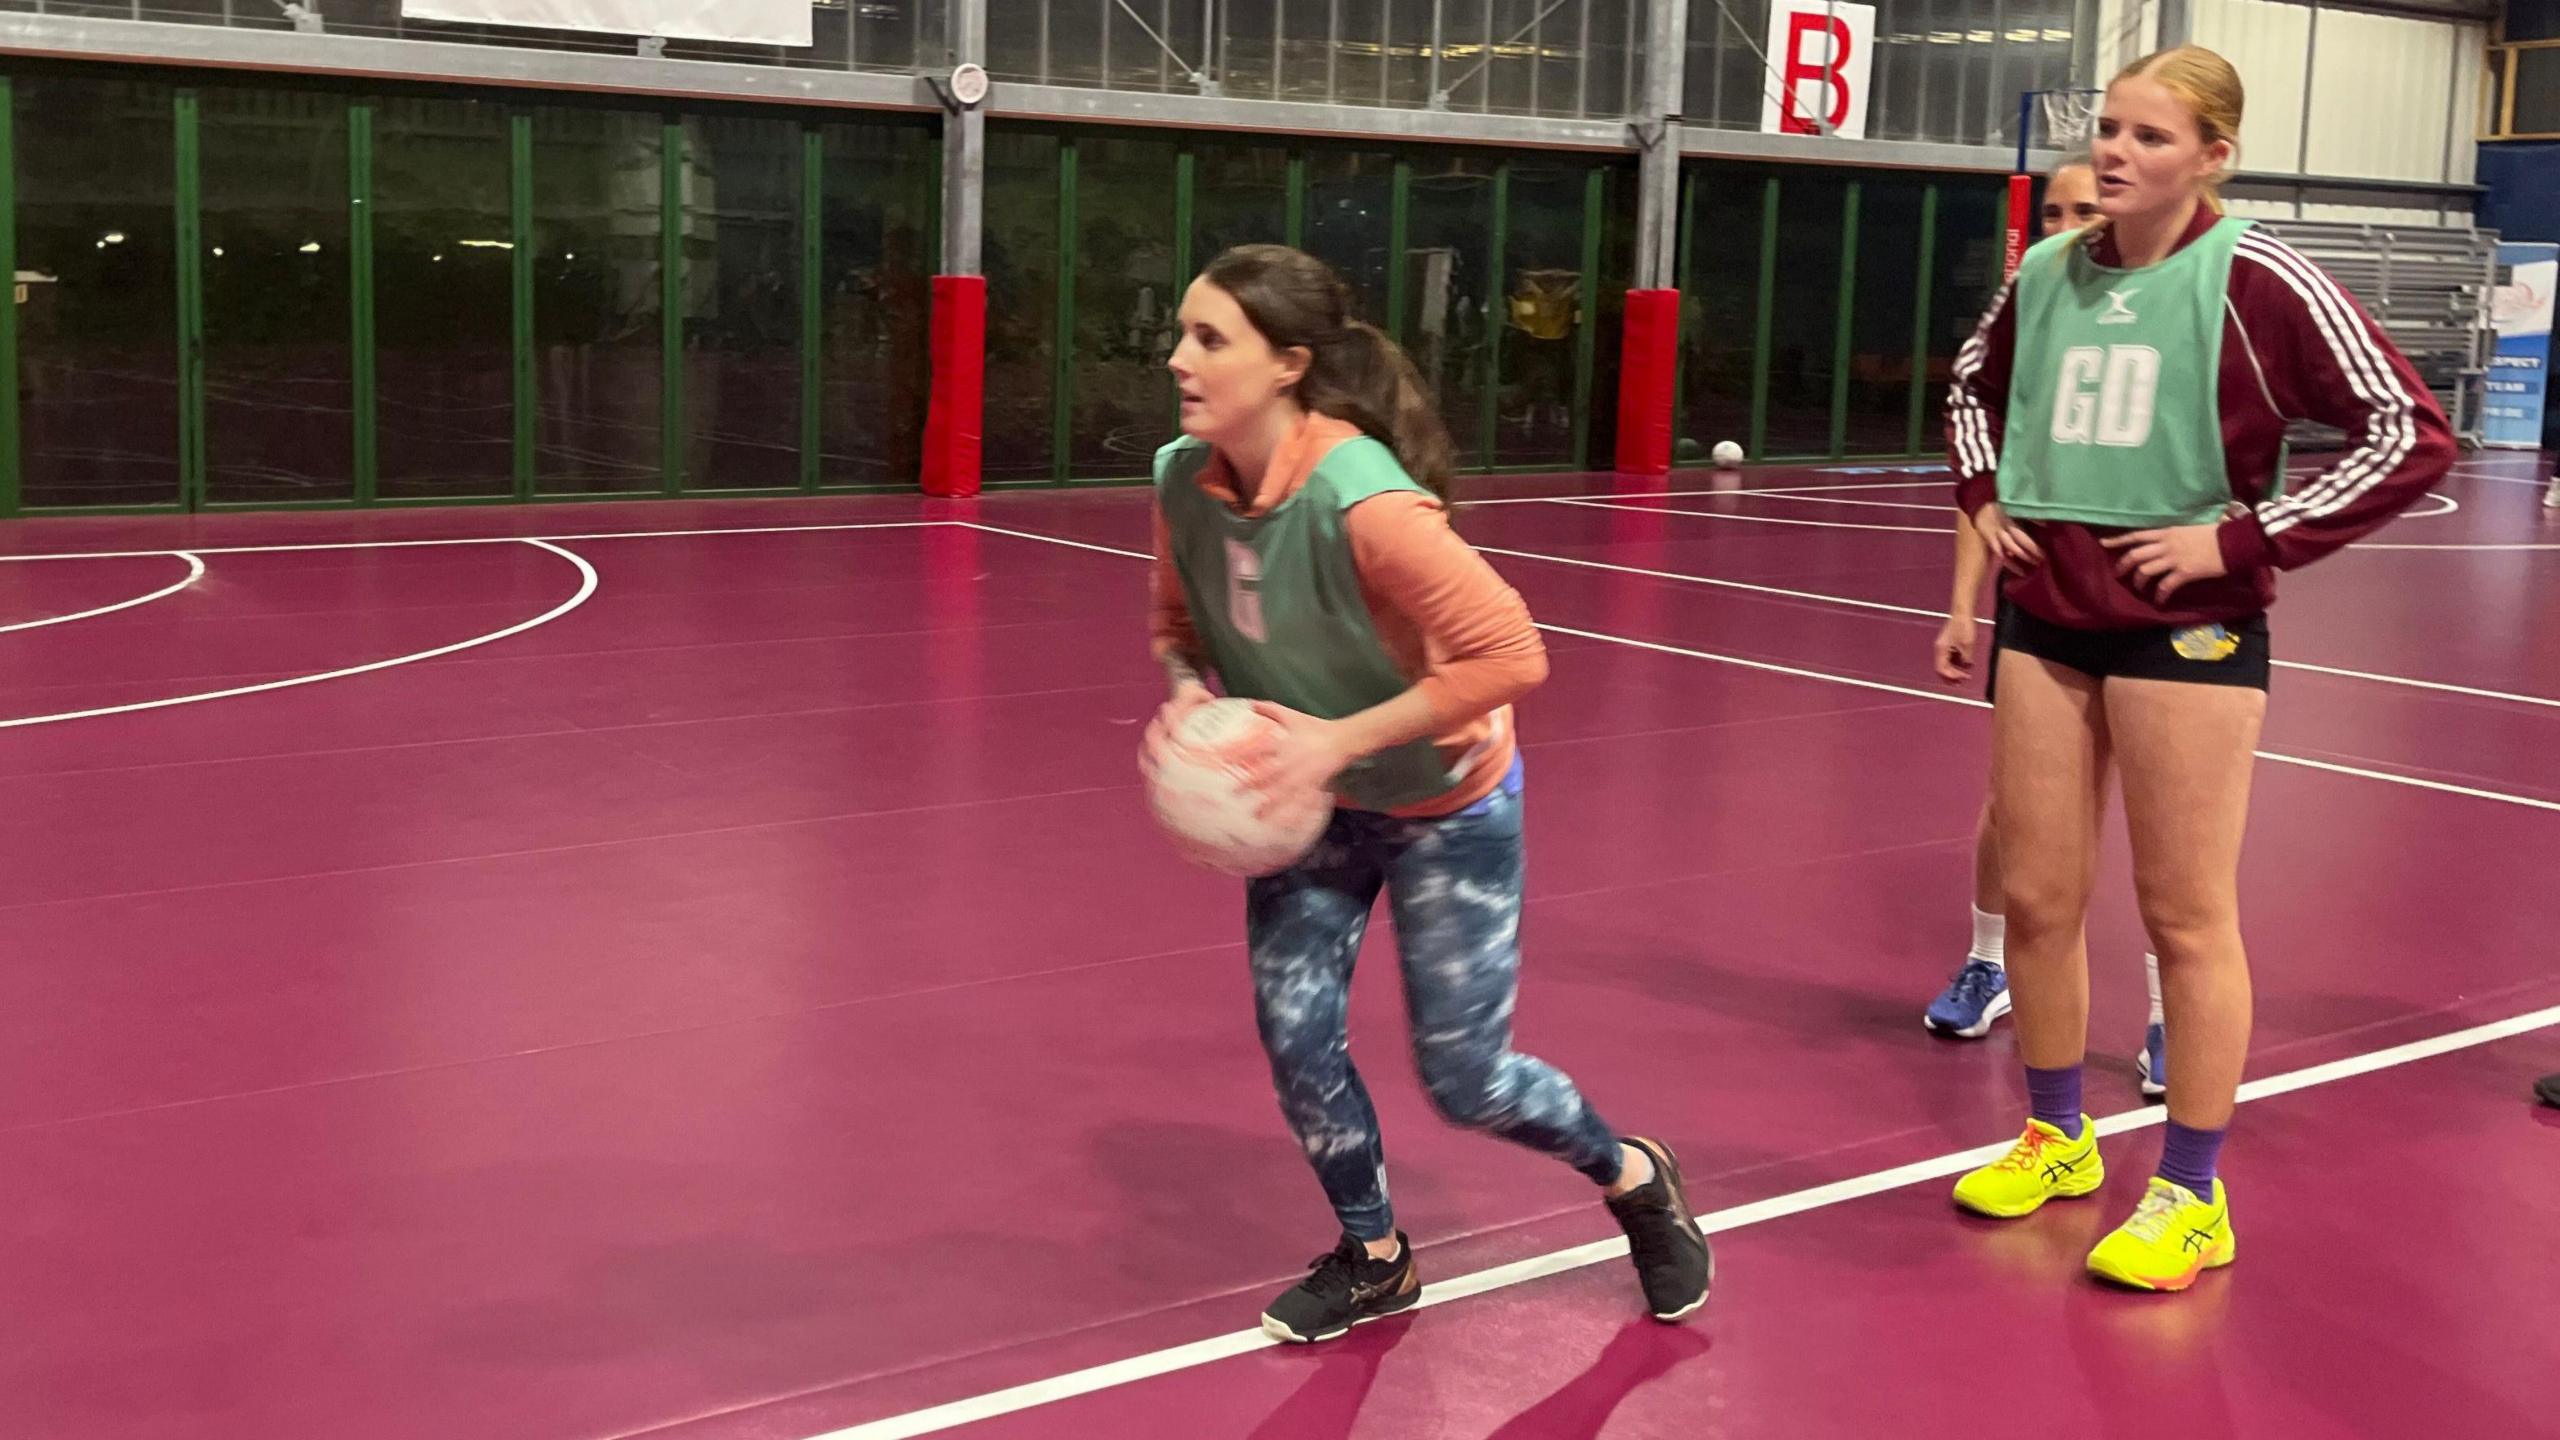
1880, 377
445, 296
1349, 197
1451, 302
98, 334
1805, 313
2537, 92
1409, 53
1542, 293
1240, 196
1022, 305
877, 264
1246, 52
1125, 304
1719, 307
1965, 273
597, 300
742, 303
279, 389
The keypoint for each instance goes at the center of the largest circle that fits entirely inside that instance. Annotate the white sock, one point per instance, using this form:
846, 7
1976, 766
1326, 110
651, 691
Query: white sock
2151, 968
1991, 939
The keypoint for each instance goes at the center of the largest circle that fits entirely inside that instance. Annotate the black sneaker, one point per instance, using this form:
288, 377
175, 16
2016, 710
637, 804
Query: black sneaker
1343, 1289
2547, 1090
1670, 1254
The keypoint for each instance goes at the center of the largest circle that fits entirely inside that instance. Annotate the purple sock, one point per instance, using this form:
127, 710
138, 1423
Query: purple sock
2187, 1156
2053, 1096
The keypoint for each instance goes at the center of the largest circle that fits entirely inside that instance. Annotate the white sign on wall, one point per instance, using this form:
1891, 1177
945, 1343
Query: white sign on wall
1820, 58
742, 22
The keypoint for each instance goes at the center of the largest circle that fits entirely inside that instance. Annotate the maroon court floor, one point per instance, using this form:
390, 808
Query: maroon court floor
704, 970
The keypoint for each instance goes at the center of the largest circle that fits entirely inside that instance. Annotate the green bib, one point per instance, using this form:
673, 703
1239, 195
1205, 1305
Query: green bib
1276, 601
2115, 414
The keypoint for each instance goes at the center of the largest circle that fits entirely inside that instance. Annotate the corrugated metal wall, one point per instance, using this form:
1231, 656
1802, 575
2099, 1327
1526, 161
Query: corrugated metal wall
2384, 98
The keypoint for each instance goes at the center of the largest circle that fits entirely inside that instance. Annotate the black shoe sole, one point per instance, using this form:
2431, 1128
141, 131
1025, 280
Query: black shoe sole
1667, 1166
1396, 1304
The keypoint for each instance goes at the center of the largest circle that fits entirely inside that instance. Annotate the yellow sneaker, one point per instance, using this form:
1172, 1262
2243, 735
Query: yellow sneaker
2172, 1238
2042, 1165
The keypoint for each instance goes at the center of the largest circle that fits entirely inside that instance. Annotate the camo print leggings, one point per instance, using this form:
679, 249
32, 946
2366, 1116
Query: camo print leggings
1453, 886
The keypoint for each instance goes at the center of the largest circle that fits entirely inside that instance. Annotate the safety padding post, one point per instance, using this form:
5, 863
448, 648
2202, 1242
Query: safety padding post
955, 421
1647, 378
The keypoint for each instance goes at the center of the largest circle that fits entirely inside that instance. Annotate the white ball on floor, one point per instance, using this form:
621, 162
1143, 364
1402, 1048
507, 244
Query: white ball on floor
1727, 454
1207, 808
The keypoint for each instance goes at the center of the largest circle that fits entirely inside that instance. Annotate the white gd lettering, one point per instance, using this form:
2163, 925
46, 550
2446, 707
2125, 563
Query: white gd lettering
2106, 396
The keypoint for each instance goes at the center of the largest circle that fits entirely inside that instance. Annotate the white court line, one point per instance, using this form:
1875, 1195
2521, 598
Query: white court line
2388, 778
2501, 479
1820, 597
1941, 531
2449, 504
195, 572
1758, 1212
1728, 490
2416, 782
544, 540
2370, 545
586, 587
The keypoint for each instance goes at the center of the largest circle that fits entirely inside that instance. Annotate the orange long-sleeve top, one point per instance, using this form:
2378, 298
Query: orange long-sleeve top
1450, 623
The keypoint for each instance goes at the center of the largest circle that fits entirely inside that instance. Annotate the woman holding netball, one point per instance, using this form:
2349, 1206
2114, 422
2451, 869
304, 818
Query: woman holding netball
1304, 556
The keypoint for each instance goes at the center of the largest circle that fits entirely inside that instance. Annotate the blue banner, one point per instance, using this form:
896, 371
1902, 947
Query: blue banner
2520, 371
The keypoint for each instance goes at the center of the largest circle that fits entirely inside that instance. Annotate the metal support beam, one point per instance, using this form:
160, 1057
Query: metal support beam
813, 317
2177, 24
674, 154
11, 482
964, 150
527, 436
365, 375
269, 51
188, 114
2310, 77
1658, 130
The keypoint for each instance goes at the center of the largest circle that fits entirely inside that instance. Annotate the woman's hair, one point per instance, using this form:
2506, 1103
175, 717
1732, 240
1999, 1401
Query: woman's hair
1356, 374
2210, 89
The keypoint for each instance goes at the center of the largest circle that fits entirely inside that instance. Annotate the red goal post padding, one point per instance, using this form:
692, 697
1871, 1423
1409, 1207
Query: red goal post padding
955, 421
1648, 374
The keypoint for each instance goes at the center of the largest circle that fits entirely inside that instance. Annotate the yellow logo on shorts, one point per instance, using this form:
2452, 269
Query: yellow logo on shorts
2204, 642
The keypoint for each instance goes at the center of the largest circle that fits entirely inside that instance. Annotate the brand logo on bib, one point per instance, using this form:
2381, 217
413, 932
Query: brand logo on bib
2119, 310
1244, 593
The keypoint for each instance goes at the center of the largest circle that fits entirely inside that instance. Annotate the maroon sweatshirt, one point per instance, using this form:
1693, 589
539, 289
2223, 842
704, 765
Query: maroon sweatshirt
2295, 345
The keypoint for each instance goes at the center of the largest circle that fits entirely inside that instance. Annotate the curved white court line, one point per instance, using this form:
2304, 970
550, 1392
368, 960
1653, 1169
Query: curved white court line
195, 572
1822, 598
472, 540
586, 588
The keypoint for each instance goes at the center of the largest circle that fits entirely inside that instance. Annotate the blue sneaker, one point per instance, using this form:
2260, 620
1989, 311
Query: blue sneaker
2154, 1063
1977, 996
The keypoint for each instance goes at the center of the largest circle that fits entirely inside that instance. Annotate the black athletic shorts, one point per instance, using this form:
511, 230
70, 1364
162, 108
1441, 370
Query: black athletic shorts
2235, 652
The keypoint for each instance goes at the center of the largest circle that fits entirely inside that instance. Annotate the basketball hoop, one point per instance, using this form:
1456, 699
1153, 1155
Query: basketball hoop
2069, 116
